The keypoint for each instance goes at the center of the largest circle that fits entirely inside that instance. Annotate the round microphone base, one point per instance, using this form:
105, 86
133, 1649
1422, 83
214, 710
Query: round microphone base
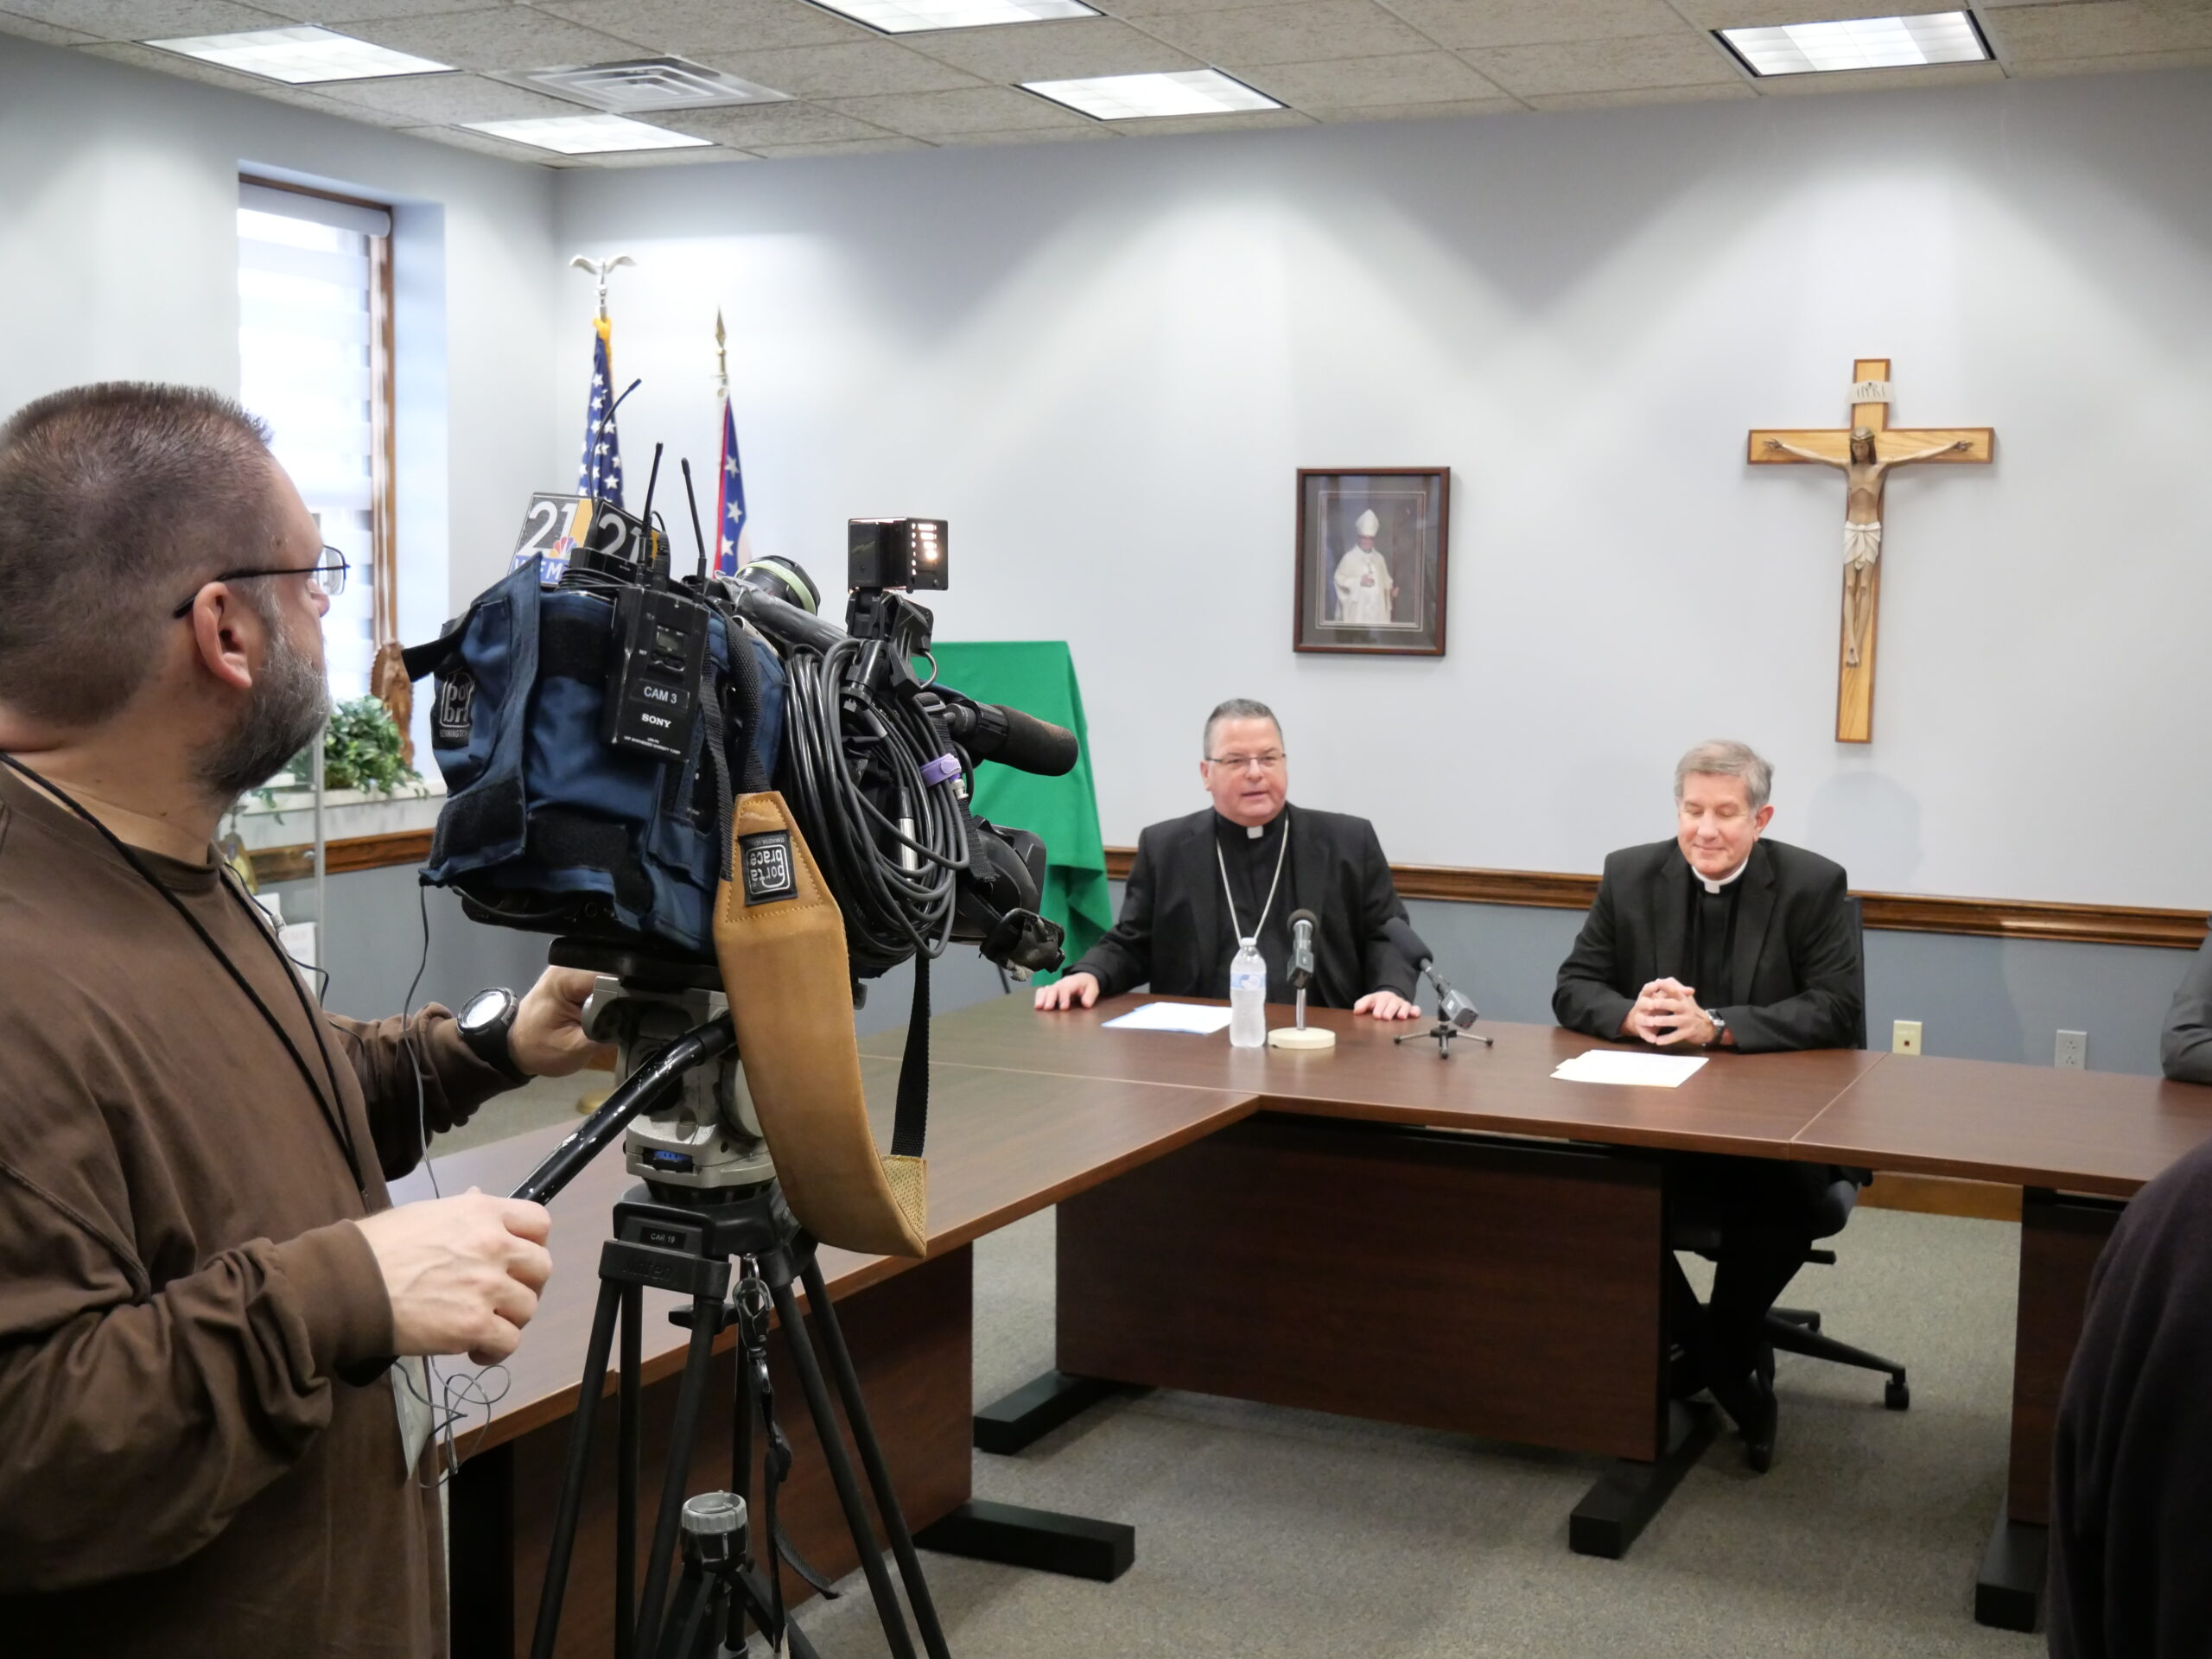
1311, 1037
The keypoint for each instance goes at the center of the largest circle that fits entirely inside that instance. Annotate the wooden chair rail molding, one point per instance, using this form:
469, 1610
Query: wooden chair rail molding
1895, 912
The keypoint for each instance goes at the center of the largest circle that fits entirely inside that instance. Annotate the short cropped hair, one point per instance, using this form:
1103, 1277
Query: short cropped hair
1235, 709
1721, 758
114, 498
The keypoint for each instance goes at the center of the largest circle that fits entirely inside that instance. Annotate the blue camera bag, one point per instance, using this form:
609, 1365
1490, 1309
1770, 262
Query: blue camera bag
549, 827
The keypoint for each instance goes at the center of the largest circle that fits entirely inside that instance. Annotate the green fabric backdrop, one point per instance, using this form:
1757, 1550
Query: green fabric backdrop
1037, 678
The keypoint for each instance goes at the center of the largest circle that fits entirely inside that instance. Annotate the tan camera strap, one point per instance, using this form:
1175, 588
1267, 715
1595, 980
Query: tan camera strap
780, 940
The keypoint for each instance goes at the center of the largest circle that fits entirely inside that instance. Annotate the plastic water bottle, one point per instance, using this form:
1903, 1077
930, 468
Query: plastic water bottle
1247, 997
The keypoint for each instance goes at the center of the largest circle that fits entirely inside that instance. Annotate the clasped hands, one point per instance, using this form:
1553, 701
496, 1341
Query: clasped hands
1667, 1013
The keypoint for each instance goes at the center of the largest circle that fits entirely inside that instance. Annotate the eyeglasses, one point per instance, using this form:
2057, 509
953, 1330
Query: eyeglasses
327, 574
1271, 761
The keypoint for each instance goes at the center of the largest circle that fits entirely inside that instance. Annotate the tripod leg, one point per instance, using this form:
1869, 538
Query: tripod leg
626, 1473
691, 1397
572, 1486
871, 1451
740, 1481
841, 1472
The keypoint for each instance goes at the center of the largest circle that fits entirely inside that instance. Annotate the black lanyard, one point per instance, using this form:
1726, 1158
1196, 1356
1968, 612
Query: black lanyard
331, 1107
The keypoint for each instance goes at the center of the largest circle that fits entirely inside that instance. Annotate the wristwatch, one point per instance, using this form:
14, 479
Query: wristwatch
487, 1023
1719, 1029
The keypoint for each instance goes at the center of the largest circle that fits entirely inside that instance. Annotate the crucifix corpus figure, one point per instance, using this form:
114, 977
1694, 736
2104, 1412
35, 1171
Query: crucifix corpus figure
1862, 521
1865, 453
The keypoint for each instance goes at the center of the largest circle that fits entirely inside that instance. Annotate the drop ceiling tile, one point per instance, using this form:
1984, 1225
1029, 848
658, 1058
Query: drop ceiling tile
336, 14
1755, 14
30, 28
1234, 121
1062, 50
1310, 31
751, 127
2040, 68
693, 27
147, 19
1683, 59
1405, 78
509, 37
1523, 22
2026, 33
485, 145
1705, 95
861, 69
448, 98
855, 147
1142, 11
980, 109
1880, 80
1339, 114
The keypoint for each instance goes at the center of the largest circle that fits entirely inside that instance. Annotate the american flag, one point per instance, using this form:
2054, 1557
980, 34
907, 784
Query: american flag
734, 550
599, 473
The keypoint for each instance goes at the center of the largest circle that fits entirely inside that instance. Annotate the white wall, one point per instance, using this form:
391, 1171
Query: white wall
118, 241
1103, 361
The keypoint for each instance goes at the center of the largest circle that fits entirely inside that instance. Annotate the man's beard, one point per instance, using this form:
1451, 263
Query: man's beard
287, 707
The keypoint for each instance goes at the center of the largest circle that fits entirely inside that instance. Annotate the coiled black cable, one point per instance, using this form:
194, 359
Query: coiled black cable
846, 748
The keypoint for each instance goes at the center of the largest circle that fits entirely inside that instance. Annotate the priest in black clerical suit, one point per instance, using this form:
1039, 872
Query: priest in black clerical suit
1720, 940
1239, 869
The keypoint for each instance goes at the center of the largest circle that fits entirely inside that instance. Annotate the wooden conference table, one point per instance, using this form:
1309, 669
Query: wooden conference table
1468, 1244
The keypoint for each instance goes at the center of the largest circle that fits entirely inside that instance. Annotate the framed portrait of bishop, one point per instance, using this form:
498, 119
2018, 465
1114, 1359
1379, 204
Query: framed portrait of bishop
1372, 554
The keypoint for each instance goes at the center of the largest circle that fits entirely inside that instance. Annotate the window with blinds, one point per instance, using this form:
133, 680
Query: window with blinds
314, 359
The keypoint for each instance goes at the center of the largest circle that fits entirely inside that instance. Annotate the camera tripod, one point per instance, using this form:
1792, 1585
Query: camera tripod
689, 1238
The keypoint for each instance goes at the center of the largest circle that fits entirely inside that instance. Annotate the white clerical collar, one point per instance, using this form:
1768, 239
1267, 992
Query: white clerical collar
1713, 885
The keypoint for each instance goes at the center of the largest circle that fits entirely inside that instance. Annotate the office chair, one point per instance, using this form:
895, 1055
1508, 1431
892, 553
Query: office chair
1798, 1330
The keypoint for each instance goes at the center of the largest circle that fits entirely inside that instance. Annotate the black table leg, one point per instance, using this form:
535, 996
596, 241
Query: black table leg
1610, 1515
2008, 1591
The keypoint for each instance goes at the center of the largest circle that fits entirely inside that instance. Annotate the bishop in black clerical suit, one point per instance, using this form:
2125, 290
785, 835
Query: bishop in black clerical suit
1238, 869
1720, 940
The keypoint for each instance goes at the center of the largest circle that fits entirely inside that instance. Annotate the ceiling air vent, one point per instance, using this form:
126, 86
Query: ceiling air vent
644, 85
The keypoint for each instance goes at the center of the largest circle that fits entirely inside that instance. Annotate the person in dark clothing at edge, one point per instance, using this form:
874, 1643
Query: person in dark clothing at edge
1237, 869
209, 1451
1719, 940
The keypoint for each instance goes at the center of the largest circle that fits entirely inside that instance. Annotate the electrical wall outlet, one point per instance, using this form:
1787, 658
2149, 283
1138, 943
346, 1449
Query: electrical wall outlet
2073, 1050
1905, 1037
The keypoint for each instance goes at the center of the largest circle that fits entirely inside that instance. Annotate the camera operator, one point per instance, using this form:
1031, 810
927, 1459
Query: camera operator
199, 1266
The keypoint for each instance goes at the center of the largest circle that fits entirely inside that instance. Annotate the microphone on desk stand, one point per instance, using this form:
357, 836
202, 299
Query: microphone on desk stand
1301, 1036
1455, 1015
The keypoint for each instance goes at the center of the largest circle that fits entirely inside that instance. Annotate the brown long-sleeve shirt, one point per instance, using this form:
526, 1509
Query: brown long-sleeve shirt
182, 1472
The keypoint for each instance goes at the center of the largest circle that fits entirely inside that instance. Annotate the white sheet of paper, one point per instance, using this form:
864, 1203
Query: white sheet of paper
1197, 1018
1644, 1071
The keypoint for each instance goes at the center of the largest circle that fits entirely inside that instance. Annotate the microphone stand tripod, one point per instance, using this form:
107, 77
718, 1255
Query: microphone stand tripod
1455, 1017
686, 1239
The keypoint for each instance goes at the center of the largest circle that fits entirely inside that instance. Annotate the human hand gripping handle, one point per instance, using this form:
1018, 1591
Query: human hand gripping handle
463, 1274
547, 1039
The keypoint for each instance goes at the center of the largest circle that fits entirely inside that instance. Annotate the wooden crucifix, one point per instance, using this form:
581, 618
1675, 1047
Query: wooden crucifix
1864, 452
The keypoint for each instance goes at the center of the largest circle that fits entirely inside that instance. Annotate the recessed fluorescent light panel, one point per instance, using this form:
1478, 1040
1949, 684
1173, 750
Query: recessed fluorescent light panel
1860, 43
586, 134
299, 56
907, 16
1131, 97
647, 84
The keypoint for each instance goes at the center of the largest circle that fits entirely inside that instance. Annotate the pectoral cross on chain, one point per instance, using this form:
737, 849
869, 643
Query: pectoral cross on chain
1864, 452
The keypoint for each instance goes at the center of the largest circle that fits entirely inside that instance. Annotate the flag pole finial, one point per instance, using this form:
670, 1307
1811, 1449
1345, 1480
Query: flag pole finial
600, 269
722, 358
